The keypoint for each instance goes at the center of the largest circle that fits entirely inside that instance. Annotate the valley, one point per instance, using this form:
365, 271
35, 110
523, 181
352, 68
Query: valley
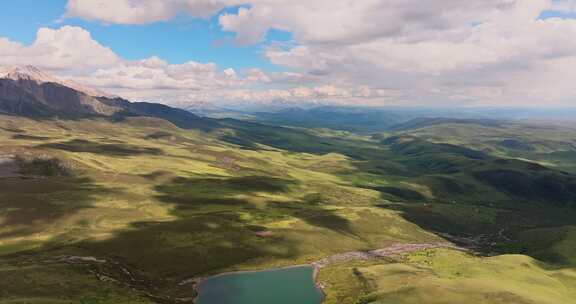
145, 203
287, 152
163, 204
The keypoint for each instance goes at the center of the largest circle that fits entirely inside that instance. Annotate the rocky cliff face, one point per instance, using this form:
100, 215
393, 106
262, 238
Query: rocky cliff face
29, 91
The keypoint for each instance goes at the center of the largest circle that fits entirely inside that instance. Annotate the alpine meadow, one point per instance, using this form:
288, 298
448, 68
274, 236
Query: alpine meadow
287, 152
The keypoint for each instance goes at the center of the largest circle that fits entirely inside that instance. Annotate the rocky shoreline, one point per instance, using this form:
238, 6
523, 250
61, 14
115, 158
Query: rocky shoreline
338, 258
134, 282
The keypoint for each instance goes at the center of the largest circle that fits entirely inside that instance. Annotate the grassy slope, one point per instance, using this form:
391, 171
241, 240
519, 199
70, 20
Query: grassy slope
172, 204
546, 232
169, 204
59, 284
549, 144
441, 276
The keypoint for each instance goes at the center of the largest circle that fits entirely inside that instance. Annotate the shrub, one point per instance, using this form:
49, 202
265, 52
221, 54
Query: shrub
42, 167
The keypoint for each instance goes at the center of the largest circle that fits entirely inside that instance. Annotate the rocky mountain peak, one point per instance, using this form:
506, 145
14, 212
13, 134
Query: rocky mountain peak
27, 72
35, 74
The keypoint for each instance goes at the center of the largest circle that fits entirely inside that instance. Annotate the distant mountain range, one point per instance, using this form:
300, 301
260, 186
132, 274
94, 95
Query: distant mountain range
31, 92
376, 119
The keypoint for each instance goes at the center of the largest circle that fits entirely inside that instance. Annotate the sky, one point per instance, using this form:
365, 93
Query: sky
368, 52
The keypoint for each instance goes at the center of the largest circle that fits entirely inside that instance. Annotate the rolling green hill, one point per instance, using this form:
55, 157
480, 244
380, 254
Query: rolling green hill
547, 143
449, 277
127, 210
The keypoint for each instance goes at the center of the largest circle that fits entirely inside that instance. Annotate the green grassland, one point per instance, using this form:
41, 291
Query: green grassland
551, 144
160, 205
451, 277
171, 204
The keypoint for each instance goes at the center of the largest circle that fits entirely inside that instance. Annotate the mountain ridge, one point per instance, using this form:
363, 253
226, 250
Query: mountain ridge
30, 92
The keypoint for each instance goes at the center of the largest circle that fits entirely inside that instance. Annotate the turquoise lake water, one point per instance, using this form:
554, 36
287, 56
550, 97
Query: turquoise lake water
280, 286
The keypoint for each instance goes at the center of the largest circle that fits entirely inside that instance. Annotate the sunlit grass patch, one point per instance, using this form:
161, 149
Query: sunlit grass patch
446, 276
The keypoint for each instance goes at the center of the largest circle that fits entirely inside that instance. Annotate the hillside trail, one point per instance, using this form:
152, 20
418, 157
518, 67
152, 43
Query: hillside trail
383, 252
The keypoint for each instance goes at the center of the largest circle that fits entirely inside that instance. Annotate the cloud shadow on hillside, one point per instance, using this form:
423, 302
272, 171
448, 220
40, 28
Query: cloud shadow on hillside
29, 205
80, 145
206, 235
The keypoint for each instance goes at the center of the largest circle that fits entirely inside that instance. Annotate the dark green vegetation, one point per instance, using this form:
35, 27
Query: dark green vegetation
515, 194
80, 145
126, 210
49, 167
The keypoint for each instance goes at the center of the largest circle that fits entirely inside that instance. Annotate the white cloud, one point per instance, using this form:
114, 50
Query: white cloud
473, 51
71, 53
369, 51
67, 48
301, 94
155, 74
142, 11
344, 21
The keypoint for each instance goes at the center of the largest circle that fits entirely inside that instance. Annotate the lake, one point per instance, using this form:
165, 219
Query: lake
293, 285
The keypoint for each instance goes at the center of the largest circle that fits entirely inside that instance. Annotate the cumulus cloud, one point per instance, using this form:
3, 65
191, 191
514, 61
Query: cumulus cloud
328, 21
66, 48
473, 51
369, 51
71, 53
154, 79
155, 74
142, 11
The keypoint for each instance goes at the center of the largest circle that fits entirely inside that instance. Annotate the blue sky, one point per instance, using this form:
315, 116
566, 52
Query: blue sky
177, 41
557, 14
